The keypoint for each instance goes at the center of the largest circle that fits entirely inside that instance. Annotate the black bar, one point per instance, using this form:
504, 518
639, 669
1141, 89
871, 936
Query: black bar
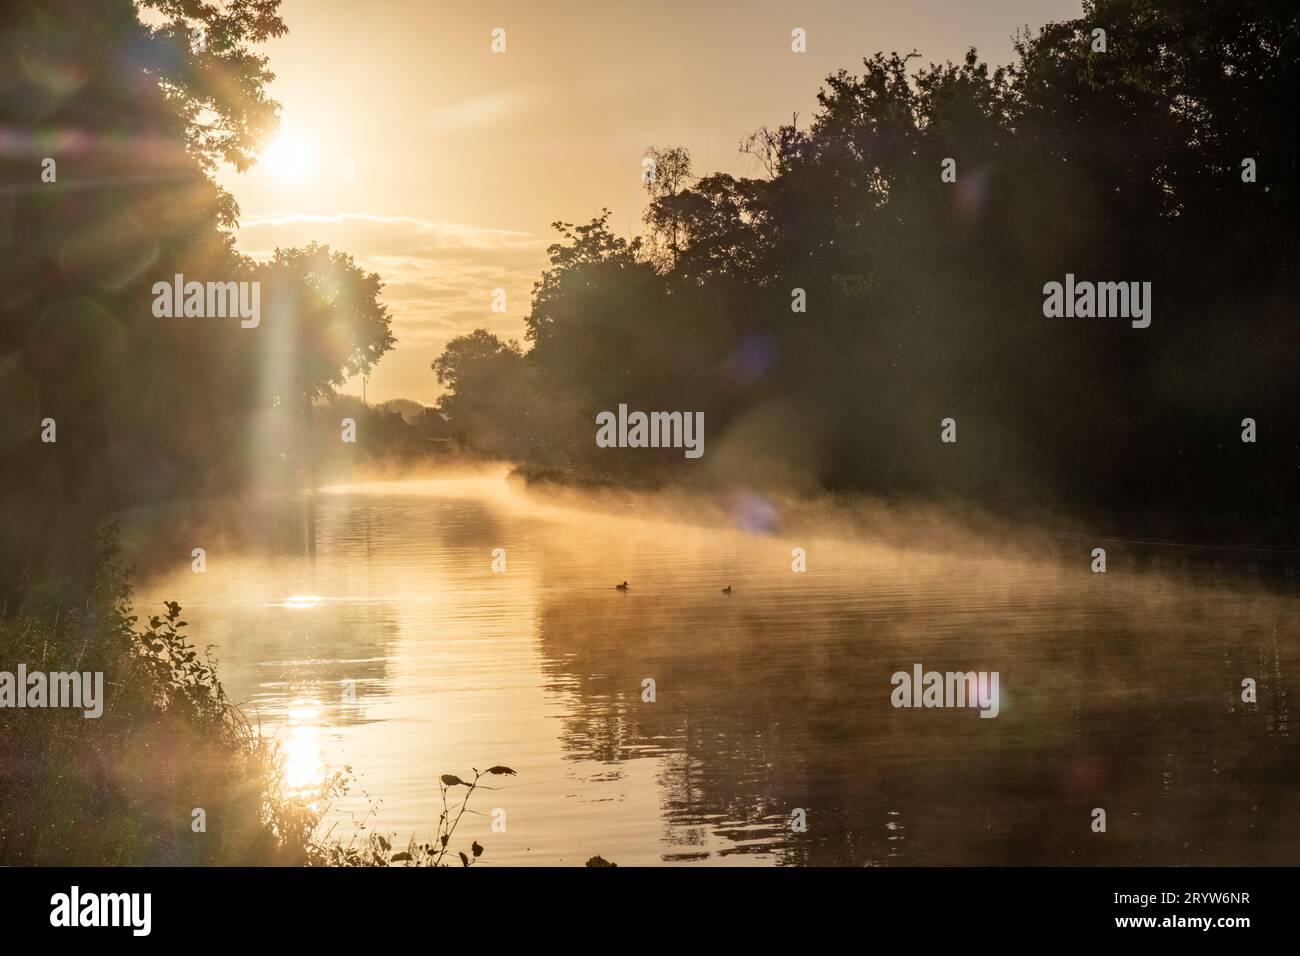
519, 907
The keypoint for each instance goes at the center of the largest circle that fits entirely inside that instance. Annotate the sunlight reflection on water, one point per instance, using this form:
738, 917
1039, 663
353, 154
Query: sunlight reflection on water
1118, 689
304, 765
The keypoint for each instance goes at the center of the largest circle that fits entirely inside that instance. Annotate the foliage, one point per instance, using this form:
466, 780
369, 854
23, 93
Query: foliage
330, 324
120, 789
377, 849
924, 297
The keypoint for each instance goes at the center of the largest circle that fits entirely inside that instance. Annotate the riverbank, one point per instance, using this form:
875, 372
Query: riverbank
164, 770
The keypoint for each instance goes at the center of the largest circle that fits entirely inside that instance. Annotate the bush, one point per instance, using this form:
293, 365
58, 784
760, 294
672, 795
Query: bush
124, 789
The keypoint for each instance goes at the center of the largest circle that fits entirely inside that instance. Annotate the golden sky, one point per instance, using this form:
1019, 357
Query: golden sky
464, 157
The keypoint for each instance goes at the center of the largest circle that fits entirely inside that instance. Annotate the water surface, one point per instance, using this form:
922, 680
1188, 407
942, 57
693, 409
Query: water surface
1118, 690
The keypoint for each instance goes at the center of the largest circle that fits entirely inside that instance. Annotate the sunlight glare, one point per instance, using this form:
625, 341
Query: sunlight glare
304, 763
291, 158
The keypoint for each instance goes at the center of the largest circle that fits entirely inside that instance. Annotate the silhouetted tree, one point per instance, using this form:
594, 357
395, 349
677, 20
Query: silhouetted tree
924, 297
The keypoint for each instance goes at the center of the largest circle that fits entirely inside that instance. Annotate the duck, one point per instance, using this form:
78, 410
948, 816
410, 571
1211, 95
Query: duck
621, 587
727, 589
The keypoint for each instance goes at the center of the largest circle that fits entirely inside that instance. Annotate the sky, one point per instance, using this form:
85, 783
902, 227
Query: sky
439, 164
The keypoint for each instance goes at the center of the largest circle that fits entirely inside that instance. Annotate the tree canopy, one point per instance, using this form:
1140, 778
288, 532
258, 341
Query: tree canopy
924, 298
136, 107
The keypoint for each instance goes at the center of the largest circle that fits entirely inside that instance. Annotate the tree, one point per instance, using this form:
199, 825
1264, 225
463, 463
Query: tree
326, 322
489, 390
212, 79
470, 363
922, 296
129, 203
670, 172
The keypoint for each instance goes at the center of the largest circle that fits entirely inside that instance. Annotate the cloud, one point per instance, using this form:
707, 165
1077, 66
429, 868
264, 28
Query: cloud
438, 276
480, 111
385, 235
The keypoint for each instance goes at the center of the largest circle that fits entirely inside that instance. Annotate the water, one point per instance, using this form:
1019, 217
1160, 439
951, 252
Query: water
1119, 691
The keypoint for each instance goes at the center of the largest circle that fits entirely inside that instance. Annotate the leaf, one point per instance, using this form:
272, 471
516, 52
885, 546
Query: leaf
451, 780
499, 770
464, 859
400, 857
476, 849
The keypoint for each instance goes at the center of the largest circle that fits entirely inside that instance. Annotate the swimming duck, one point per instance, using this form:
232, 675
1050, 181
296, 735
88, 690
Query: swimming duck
621, 587
727, 589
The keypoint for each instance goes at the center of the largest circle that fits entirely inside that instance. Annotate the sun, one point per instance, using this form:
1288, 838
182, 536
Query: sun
291, 158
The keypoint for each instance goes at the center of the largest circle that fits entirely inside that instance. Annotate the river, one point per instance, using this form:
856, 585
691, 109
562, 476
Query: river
379, 636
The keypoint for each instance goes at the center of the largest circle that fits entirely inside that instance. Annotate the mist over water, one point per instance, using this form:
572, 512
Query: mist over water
1118, 690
